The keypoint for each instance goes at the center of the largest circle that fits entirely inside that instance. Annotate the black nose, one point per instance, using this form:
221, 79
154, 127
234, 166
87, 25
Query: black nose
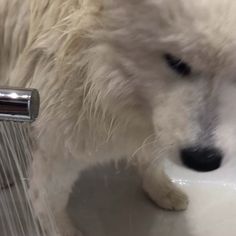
201, 158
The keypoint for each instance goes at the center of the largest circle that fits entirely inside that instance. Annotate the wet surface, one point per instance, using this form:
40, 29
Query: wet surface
109, 201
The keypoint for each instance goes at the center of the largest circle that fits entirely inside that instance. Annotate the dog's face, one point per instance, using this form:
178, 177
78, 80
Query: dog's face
180, 58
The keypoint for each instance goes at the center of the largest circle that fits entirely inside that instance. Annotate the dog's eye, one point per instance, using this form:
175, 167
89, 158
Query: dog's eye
177, 65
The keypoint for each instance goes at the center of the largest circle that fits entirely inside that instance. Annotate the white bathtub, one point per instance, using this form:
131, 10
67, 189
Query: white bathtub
120, 208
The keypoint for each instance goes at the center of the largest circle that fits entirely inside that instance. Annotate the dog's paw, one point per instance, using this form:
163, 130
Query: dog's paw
165, 194
173, 199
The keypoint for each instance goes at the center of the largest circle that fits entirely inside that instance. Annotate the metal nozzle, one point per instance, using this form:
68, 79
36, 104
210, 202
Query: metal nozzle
19, 104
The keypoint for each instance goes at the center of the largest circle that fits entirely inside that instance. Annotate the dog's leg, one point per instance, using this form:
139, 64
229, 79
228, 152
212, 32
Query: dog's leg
51, 183
161, 190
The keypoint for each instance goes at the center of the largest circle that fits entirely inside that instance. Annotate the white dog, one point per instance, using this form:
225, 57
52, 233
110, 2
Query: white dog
142, 78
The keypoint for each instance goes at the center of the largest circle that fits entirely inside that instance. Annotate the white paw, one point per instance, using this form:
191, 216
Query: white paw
172, 199
165, 194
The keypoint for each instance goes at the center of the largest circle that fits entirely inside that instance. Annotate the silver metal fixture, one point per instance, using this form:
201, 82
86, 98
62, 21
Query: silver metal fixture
17, 104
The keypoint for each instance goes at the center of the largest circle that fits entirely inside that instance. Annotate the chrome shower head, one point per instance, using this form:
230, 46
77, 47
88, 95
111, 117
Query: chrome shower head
20, 105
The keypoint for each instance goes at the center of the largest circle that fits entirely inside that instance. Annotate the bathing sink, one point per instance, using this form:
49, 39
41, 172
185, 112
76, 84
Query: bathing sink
108, 201
212, 208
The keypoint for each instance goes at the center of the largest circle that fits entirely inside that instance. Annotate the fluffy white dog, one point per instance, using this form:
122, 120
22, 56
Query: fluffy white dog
145, 79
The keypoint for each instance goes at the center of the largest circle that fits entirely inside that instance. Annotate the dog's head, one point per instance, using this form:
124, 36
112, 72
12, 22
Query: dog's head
178, 59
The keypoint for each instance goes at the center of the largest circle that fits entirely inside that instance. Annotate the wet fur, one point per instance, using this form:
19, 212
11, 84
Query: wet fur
106, 91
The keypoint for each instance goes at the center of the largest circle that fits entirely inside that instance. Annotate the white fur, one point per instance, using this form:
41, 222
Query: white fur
106, 91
